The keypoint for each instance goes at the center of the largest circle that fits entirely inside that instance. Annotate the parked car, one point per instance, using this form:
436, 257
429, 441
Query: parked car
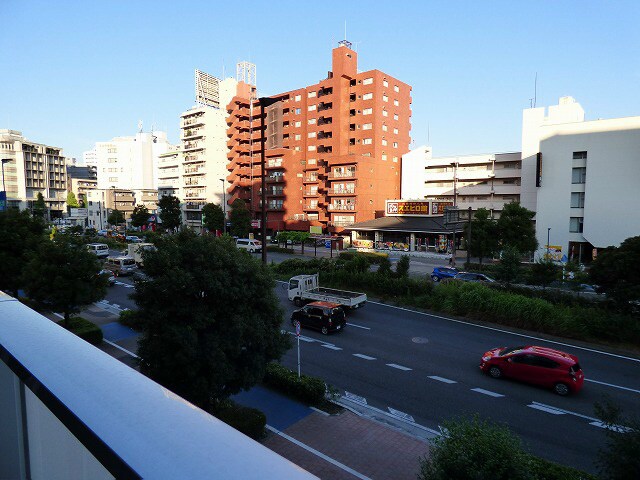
324, 316
541, 366
100, 249
133, 239
473, 277
102, 233
440, 273
110, 276
249, 244
121, 265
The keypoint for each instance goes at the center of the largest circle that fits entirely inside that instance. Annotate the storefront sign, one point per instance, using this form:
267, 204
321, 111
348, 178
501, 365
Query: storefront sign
437, 208
363, 243
401, 207
255, 223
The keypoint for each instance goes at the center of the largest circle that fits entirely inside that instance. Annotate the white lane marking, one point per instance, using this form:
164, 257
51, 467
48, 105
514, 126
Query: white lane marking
399, 367
355, 398
612, 385
614, 428
302, 337
441, 379
121, 348
319, 454
508, 332
568, 412
366, 357
358, 326
542, 408
115, 305
487, 392
330, 347
404, 416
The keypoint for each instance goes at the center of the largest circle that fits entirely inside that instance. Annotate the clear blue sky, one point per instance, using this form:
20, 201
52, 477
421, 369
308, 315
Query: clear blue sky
77, 72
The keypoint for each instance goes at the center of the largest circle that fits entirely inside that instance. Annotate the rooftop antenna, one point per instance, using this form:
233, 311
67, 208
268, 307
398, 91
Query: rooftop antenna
428, 133
535, 91
139, 126
345, 29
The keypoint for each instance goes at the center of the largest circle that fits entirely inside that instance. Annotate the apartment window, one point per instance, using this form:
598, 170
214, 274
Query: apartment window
311, 161
367, 126
311, 148
577, 200
576, 224
367, 111
113, 160
367, 96
297, 98
367, 141
298, 111
395, 116
311, 108
395, 130
385, 83
579, 155
395, 159
385, 98
296, 148
395, 144
385, 113
396, 103
113, 179
384, 142
384, 128
297, 136
396, 88
311, 94
312, 135
367, 81
312, 121
578, 175
298, 124
384, 156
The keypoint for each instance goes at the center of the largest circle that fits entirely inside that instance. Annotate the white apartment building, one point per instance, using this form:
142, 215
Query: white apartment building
128, 162
478, 181
169, 178
31, 168
589, 177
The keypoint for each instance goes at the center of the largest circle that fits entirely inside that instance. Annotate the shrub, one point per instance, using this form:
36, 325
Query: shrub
542, 469
84, 329
402, 268
131, 319
247, 420
307, 389
385, 267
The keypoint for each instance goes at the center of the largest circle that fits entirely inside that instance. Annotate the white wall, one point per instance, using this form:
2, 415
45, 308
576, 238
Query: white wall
414, 166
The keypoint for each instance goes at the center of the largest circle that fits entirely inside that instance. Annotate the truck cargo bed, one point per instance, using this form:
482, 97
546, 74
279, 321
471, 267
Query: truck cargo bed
334, 293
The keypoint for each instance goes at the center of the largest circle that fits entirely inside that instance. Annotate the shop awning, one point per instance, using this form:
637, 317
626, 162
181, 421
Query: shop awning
433, 225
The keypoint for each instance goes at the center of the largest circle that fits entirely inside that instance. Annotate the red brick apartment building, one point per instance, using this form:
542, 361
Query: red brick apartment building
333, 150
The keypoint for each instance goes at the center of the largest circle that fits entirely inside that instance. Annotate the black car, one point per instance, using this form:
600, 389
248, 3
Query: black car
473, 277
324, 316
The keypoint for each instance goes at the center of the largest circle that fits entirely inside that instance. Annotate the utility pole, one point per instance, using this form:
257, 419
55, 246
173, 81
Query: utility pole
469, 240
264, 103
224, 208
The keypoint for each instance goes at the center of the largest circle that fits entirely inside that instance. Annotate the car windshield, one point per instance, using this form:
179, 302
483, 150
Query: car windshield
507, 350
129, 261
293, 284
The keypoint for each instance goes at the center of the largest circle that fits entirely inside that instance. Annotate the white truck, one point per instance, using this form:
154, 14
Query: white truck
134, 250
306, 288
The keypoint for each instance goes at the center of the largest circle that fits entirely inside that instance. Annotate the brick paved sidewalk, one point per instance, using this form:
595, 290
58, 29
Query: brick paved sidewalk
371, 449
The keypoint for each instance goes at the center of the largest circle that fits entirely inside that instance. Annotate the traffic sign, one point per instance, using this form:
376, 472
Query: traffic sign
297, 329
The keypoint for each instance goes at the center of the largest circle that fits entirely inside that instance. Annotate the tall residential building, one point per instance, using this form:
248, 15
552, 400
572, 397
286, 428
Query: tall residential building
81, 179
332, 151
128, 162
33, 168
478, 181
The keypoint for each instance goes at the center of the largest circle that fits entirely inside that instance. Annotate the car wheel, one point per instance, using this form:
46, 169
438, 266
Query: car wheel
495, 372
297, 302
435, 278
561, 389
325, 331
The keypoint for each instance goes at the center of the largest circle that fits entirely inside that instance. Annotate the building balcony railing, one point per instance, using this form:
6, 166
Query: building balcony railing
275, 192
193, 122
310, 179
274, 179
310, 206
341, 223
192, 146
341, 191
343, 174
342, 206
310, 193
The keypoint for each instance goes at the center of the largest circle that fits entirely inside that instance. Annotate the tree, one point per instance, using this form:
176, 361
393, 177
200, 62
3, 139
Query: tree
83, 201
71, 200
170, 214
211, 319
509, 266
139, 216
484, 235
516, 229
213, 217
116, 217
543, 272
616, 273
402, 267
619, 460
20, 234
473, 448
240, 219
39, 209
64, 276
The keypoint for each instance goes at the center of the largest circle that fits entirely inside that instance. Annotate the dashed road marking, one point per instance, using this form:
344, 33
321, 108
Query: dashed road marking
358, 326
441, 379
355, 398
612, 385
544, 408
121, 348
399, 367
330, 347
399, 414
365, 357
614, 428
487, 392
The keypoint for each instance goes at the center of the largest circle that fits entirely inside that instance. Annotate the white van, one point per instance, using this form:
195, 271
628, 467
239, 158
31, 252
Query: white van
121, 265
100, 249
249, 244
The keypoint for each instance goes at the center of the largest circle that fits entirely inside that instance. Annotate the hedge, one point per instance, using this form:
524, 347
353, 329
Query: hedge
372, 257
84, 329
545, 470
131, 319
309, 390
247, 420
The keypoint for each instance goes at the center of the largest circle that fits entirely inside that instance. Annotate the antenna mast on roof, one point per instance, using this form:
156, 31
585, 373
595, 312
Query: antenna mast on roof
535, 91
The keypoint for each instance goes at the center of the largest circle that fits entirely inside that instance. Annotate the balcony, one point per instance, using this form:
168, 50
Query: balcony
310, 206
242, 125
194, 171
340, 207
342, 191
341, 223
325, 91
342, 174
322, 106
322, 134
325, 120
275, 192
324, 149
193, 121
310, 179
310, 193
189, 146
193, 158
191, 133
274, 179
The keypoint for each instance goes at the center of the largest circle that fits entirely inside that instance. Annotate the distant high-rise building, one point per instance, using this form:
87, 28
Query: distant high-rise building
333, 149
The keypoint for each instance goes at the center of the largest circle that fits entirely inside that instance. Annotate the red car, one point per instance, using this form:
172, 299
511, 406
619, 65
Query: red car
538, 365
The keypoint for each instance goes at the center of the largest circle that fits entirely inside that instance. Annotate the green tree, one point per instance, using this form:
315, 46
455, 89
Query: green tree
72, 202
20, 234
509, 266
475, 449
543, 272
240, 219
39, 209
616, 272
139, 216
384, 267
484, 235
516, 228
619, 459
63, 275
213, 217
210, 317
170, 213
402, 267
116, 217
83, 201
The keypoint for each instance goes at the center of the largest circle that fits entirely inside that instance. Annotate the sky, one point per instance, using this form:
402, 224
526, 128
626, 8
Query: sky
79, 72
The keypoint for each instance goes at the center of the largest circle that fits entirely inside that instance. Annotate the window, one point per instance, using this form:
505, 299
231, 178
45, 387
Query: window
297, 124
395, 144
311, 108
396, 88
576, 224
579, 155
367, 141
297, 136
311, 148
311, 94
577, 200
297, 98
367, 126
578, 174
385, 113
298, 111
384, 142
367, 81
385, 83
396, 103
395, 116
385, 98
384, 128
367, 111
384, 156
367, 96
395, 130
296, 148
395, 159
113, 179
312, 134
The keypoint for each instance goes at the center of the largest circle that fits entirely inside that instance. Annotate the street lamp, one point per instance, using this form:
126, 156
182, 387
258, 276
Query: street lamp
264, 103
224, 208
548, 234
